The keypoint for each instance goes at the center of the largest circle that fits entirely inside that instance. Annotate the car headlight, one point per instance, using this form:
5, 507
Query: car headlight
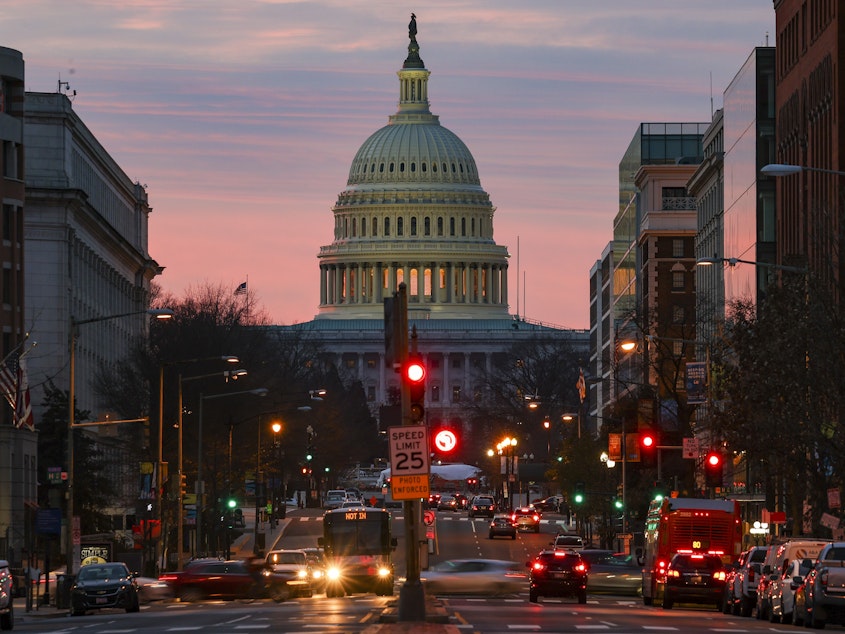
383, 572
302, 574
333, 573
317, 574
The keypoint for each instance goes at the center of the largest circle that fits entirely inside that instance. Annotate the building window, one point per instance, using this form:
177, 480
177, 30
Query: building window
351, 363
386, 226
452, 227
414, 226
372, 362
456, 393
427, 226
435, 393
678, 280
440, 226
678, 314
371, 393
457, 362
400, 226
677, 248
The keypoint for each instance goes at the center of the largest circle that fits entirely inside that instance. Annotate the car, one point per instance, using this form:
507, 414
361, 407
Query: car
233, 579
526, 519
694, 578
433, 500
316, 560
334, 498
352, 504
108, 585
447, 503
797, 548
502, 526
292, 566
783, 589
463, 501
799, 601
557, 573
567, 541
611, 572
474, 576
153, 589
550, 504
482, 506
7, 605
741, 586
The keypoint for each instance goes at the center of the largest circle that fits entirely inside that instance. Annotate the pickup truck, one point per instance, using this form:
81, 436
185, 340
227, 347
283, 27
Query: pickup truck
824, 588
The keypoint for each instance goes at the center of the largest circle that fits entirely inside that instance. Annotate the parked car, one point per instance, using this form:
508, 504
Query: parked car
568, 542
447, 503
824, 588
526, 519
741, 586
799, 548
783, 589
611, 572
557, 573
292, 566
212, 578
474, 576
7, 606
502, 526
481, 506
694, 578
108, 585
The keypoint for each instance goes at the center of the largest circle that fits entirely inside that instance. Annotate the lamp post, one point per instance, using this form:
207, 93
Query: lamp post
277, 448
158, 313
627, 347
506, 450
160, 466
547, 425
261, 391
784, 169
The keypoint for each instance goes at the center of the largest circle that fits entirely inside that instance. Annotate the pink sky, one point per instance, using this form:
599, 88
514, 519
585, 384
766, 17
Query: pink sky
242, 117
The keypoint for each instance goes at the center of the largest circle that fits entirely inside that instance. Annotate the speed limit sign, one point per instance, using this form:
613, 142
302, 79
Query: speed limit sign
409, 454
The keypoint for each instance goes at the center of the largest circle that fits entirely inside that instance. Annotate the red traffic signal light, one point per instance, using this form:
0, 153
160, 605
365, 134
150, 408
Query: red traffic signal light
648, 441
713, 468
413, 375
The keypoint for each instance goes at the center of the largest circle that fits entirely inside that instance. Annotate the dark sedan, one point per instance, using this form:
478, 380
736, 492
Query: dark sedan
98, 586
502, 526
694, 578
557, 573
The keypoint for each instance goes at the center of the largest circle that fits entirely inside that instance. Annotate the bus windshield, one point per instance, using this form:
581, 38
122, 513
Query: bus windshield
357, 533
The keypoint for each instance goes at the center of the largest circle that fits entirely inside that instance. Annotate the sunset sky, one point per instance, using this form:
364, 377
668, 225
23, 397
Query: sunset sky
242, 117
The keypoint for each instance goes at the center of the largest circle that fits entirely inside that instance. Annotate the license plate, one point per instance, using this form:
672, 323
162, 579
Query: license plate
101, 600
695, 579
560, 575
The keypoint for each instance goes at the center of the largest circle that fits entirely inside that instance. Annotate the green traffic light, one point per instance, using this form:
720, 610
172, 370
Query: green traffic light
579, 498
232, 503
309, 457
617, 503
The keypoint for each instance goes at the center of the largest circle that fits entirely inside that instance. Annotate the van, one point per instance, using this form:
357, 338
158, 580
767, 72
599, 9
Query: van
568, 542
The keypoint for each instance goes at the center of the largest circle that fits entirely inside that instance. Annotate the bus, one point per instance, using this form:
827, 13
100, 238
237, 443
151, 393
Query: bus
358, 549
687, 525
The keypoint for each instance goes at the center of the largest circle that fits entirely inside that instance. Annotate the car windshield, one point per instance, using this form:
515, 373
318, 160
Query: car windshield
691, 561
92, 573
287, 558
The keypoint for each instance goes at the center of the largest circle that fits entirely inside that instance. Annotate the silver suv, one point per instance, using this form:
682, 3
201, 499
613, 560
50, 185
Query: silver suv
7, 590
742, 595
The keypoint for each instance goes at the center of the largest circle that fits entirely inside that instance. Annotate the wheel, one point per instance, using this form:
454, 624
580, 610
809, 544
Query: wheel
797, 620
279, 593
582, 597
490, 536
134, 605
75, 612
7, 621
744, 607
786, 619
773, 618
533, 597
536, 529
513, 536
727, 607
818, 624
190, 594
667, 601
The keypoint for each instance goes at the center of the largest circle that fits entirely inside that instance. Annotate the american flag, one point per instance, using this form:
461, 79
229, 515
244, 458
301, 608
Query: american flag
581, 385
241, 290
14, 383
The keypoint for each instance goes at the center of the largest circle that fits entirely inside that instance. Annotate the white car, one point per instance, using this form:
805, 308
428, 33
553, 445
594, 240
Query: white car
475, 576
293, 566
783, 589
334, 498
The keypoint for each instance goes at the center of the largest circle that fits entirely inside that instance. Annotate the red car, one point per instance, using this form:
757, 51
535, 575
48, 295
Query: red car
212, 578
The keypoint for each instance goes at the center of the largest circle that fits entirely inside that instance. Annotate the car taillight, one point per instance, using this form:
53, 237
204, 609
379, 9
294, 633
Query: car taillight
823, 579
538, 566
581, 568
673, 573
167, 578
536, 518
719, 575
513, 517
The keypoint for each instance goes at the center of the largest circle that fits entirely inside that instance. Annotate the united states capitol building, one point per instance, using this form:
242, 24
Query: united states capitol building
414, 212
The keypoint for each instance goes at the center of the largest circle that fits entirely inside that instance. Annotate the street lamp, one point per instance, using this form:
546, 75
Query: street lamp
158, 313
261, 391
506, 449
784, 169
568, 418
732, 262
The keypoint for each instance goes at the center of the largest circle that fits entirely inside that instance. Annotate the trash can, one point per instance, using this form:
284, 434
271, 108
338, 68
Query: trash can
63, 585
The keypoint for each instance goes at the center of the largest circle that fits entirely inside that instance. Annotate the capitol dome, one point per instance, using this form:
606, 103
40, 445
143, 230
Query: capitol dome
414, 212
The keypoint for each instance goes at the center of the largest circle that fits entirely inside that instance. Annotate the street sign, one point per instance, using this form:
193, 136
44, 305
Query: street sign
690, 448
409, 452
409, 487
428, 517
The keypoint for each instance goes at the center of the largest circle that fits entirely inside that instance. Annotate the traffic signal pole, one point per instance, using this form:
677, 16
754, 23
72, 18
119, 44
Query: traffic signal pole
411, 594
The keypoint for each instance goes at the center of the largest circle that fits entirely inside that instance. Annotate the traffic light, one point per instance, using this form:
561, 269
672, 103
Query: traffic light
617, 504
659, 491
413, 375
578, 498
231, 502
183, 484
713, 468
648, 447
309, 455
